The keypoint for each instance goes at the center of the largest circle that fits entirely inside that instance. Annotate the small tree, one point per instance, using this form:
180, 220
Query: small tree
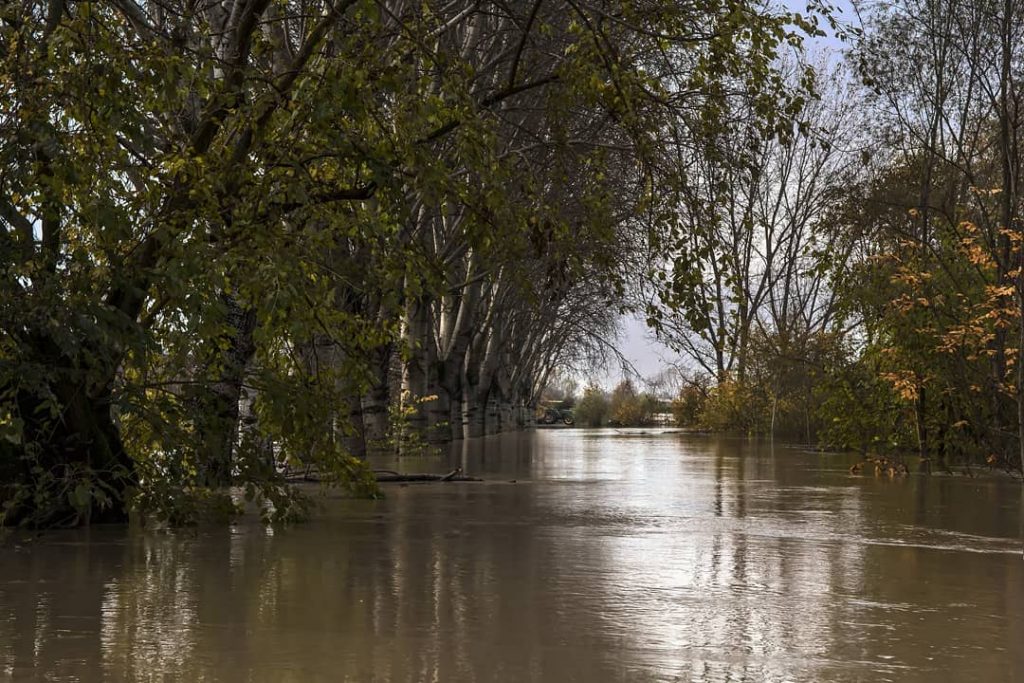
623, 407
689, 404
592, 408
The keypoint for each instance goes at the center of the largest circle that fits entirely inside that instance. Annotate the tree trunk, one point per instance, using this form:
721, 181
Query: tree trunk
83, 446
472, 412
217, 407
438, 412
920, 407
375, 417
506, 413
492, 414
415, 377
353, 439
455, 432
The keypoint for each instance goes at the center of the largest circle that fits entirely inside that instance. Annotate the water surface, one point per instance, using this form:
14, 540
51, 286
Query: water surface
615, 556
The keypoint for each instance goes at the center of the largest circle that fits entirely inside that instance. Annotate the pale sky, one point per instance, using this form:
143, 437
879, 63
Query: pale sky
648, 356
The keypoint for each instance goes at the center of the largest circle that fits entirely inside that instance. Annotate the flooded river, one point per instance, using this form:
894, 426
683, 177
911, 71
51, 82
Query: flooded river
615, 556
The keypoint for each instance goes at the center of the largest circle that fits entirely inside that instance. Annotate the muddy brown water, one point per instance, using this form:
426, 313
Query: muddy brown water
614, 557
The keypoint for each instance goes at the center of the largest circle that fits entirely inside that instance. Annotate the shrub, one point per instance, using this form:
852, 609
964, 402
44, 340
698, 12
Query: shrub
689, 404
592, 408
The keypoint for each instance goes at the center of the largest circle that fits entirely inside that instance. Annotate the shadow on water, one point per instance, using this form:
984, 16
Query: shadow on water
645, 557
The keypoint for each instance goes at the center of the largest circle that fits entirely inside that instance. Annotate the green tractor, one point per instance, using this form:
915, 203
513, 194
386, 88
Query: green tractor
554, 415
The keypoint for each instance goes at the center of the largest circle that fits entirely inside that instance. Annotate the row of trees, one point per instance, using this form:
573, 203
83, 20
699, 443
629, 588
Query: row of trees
236, 231
863, 284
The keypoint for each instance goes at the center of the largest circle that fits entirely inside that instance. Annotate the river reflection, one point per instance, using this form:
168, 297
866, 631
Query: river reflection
615, 556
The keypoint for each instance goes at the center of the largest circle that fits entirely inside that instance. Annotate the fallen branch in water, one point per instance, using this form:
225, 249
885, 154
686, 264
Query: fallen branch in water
388, 476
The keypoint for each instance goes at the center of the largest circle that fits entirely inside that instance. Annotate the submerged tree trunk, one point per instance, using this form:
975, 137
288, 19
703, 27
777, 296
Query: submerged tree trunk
438, 412
444, 415
80, 448
376, 402
455, 432
96, 442
415, 372
472, 411
492, 414
920, 414
352, 436
217, 405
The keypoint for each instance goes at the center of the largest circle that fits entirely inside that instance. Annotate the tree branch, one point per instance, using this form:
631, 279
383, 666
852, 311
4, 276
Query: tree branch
522, 44
490, 101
